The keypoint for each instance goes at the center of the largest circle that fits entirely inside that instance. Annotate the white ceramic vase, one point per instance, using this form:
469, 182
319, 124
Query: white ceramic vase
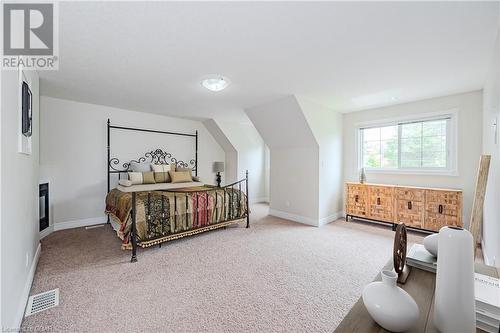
431, 244
454, 309
390, 306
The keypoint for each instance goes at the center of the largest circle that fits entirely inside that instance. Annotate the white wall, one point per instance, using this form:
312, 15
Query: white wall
294, 159
19, 202
73, 152
267, 172
491, 114
230, 173
326, 126
251, 156
469, 107
294, 183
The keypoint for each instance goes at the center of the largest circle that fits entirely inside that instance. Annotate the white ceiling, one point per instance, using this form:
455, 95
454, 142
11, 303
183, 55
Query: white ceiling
150, 56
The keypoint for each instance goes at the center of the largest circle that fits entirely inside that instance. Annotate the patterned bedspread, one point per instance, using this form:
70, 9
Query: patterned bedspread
161, 213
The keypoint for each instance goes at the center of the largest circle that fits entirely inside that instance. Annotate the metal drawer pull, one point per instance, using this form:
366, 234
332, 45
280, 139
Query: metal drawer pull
409, 204
378, 201
440, 209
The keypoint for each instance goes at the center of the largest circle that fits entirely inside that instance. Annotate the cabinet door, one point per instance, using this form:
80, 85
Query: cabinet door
381, 203
442, 208
435, 221
356, 200
443, 202
410, 206
411, 213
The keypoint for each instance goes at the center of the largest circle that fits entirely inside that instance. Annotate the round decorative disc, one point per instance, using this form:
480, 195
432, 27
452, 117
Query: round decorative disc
399, 252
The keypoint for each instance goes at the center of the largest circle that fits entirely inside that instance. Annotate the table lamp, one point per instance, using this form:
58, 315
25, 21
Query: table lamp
218, 167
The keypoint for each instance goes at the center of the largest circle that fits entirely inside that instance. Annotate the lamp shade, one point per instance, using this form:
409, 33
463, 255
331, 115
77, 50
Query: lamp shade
218, 167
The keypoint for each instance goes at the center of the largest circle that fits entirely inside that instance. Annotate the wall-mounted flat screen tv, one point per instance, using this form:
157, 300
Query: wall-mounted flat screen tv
26, 109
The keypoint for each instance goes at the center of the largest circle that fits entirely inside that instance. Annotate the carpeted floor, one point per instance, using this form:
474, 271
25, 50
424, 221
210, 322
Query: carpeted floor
277, 276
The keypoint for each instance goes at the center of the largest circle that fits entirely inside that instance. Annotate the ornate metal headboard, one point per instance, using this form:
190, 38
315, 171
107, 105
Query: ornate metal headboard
157, 156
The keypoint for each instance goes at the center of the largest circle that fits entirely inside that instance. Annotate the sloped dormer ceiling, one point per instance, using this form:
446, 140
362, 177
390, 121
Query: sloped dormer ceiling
282, 124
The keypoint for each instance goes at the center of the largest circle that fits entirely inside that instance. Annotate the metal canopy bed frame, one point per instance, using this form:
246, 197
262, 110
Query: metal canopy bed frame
159, 156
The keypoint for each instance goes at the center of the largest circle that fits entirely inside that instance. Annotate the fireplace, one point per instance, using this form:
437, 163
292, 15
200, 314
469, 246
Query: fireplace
44, 206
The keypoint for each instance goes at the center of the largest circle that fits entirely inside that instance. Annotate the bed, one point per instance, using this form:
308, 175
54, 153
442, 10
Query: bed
150, 214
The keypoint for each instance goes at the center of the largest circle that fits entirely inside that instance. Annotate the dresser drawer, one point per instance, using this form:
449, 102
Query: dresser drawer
443, 202
442, 208
435, 221
410, 194
380, 191
443, 197
381, 203
356, 200
356, 208
411, 213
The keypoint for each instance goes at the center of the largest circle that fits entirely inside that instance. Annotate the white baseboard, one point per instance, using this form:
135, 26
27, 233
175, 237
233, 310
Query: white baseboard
294, 217
79, 223
72, 224
259, 200
47, 231
330, 218
27, 288
305, 219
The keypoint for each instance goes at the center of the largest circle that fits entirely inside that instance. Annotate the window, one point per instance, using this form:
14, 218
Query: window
422, 145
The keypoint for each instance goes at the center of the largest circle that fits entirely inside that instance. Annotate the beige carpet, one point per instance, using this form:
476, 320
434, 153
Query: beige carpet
277, 276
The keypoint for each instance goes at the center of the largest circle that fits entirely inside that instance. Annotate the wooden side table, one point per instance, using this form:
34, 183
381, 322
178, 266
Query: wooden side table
421, 286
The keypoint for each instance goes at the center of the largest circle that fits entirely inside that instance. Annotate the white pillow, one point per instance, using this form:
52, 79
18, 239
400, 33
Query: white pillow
125, 182
139, 167
160, 167
135, 178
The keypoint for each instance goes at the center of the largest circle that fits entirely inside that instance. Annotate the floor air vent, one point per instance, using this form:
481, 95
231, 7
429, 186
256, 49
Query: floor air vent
43, 301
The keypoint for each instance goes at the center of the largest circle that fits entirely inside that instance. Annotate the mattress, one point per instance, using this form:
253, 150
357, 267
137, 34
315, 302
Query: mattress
157, 187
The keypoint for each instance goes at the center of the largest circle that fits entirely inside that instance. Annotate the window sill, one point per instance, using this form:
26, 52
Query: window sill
451, 173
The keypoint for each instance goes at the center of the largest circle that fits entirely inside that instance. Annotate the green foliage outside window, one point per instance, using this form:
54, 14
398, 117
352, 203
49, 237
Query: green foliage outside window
407, 145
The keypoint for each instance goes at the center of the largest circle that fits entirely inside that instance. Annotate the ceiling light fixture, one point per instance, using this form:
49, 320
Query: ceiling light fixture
215, 83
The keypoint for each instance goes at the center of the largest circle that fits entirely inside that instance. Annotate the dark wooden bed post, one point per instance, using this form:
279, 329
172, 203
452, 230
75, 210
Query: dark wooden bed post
248, 208
133, 233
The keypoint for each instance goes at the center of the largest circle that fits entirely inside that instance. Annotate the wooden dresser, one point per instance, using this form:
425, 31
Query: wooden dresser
417, 207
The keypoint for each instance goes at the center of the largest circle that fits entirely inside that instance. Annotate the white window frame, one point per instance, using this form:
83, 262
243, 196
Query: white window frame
451, 136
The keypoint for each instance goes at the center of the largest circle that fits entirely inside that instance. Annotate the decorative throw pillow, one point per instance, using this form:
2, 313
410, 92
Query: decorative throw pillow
135, 178
138, 178
148, 177
125, 182
181, 176
184, 169
140, 167
160, 167
162, 177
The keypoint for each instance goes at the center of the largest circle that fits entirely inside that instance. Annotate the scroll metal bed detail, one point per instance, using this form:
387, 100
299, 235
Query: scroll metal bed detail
157, 228
157, 156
